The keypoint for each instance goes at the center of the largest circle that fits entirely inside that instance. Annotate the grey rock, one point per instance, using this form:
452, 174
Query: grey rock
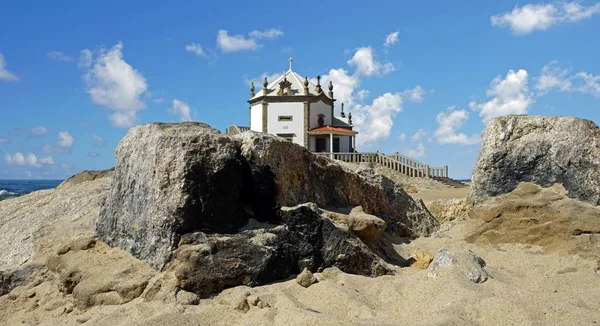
306, 278
208, 263
466, 262
171, 179
542, 150
174, 179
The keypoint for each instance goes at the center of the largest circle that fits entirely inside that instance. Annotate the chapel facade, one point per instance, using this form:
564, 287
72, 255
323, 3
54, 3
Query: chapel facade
294, 108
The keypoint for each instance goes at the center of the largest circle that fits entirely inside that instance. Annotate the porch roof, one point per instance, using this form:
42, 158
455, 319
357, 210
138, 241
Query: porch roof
325, 130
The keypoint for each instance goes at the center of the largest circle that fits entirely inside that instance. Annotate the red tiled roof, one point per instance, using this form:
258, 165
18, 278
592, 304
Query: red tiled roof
332, 129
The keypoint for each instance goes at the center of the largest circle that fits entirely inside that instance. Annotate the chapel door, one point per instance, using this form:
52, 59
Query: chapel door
336, 145
320, 145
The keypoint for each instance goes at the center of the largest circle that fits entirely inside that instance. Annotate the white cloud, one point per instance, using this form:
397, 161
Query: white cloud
510, 95
57, 55
4, 140
113, 83
420, 134
362, 94
93, 154
195, 49
533, 17
47, 161
553, 76
98, 140
402, 137
417, 152
415, 94
232, 43
182, 109
343, 85
65, 140
85, 59
366, 64
5, 74
27, 160
450, 121
267, 33
590, 83
375, 121
391, 38
39, 131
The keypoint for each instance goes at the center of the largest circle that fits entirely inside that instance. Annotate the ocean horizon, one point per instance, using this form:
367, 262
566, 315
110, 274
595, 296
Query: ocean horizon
15, 188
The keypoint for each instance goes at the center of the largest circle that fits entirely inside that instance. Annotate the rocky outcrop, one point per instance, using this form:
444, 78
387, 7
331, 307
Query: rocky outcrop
542, 150
208, 263
87, 175
175, 179
32, 225
539, 216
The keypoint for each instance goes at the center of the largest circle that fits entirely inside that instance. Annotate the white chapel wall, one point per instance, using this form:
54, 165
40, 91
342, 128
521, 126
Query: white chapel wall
296, 126
344, 143
316, 109
256, 117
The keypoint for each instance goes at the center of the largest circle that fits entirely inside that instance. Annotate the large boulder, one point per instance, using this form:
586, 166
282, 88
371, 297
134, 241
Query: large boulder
174, 179
542, 150
208, 263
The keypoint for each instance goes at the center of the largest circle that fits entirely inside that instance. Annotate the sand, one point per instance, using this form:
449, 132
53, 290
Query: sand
529, 285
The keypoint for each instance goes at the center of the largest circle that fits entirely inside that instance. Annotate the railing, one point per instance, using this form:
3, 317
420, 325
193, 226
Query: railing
396, 162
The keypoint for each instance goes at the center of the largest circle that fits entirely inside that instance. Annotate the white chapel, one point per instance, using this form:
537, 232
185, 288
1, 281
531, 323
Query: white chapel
294, 108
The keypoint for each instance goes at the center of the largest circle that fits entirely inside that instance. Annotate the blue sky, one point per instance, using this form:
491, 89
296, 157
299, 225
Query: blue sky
420, 78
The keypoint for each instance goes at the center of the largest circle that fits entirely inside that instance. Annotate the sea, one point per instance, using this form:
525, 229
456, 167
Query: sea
15, 188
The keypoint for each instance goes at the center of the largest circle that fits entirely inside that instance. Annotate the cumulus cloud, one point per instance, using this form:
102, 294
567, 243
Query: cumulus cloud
39, 131
195, 49
85, 59
4, 73
509, 95
402, 137
267, 33
391, 39
449, 124
532, 17
418, 151
27, 160
98, 140
554, 77
65, 140
182, 109
233, 43
420, 134
415, 94
375, 121
366, 64
115, 84
57, 55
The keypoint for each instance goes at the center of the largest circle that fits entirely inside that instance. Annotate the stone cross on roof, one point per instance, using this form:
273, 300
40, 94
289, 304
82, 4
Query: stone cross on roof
290, 60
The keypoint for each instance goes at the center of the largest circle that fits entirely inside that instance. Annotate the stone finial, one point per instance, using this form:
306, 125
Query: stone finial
305, 81
265, 83
342, 114
350, 118
318, 88
252, 88
330, 86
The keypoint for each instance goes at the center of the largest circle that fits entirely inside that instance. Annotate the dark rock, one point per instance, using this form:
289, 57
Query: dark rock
208, 263
10, 279
542, 150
